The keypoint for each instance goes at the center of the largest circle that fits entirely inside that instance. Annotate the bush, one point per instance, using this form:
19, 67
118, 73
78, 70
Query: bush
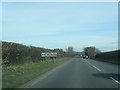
112, 56
13, 53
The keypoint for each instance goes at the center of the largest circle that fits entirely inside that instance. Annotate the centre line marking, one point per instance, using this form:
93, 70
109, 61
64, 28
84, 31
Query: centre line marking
97, 68
93, 66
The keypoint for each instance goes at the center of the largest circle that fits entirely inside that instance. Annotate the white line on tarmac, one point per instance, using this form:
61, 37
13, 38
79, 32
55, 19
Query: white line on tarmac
100, 70
97, 68
115, 80
93, 66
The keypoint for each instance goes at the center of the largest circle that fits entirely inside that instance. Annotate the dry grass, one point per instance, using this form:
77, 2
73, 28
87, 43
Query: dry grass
14, 76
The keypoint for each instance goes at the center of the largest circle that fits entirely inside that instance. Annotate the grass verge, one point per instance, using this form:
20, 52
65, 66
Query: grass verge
14, 76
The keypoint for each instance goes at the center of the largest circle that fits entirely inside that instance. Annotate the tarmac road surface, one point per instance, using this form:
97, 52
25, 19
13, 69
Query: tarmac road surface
79, 73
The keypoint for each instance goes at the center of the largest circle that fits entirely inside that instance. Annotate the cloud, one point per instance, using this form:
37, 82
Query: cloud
54, 25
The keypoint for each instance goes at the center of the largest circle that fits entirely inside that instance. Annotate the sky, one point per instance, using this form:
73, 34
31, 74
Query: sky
60, 0
61, 24
0, 21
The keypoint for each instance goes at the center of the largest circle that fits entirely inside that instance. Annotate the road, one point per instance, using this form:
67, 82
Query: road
81, 73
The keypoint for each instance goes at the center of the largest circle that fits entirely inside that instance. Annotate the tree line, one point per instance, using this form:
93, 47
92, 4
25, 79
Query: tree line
95, 53
14, 53
91, 52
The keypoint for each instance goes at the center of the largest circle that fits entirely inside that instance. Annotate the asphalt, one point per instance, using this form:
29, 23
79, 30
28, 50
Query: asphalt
80, 73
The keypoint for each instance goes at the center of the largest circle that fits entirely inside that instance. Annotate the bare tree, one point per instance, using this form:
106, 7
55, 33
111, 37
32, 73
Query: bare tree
70, 51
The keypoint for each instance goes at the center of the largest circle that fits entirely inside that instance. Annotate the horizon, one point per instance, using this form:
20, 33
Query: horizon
59, 25
58, 48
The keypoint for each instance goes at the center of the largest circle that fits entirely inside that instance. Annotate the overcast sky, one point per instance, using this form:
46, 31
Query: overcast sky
59, 25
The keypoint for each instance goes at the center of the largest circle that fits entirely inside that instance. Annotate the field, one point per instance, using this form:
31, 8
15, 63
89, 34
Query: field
16, 75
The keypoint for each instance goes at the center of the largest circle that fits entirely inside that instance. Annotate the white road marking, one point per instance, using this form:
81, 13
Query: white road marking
97, 68
93, 66
100, 70
115, 80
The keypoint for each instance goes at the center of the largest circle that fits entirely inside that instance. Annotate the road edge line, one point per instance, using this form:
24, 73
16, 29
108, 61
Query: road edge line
115, 80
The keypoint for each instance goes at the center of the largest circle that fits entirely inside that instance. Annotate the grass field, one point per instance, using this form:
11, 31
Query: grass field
14, 76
